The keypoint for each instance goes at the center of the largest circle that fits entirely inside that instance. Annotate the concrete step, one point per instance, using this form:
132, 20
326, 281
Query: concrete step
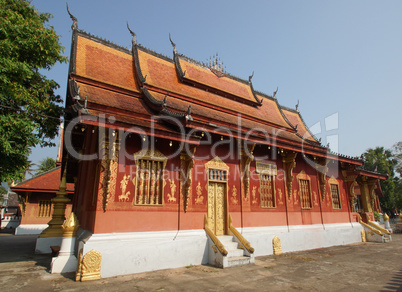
235, 253
238, 261
231, 245
225, 238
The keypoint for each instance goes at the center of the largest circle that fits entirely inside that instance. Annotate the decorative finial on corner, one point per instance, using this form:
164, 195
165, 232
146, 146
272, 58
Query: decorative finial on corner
275, 92
73, 18
134, 41
250, 77
173, 44
297, 105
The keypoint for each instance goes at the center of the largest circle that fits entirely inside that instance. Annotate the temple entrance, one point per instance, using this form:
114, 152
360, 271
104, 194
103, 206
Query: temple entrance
216, 207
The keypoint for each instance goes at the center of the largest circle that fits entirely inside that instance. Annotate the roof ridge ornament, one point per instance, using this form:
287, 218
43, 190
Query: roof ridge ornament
275, 92
250, 77
134, 40
73, 18
297, 106
173, 44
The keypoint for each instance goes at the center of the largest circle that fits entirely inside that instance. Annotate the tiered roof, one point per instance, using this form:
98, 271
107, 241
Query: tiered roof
132, 86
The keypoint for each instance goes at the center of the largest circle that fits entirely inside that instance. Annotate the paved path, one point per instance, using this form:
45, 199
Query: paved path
357, 267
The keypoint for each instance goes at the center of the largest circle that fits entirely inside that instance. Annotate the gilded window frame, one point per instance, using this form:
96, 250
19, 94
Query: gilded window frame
150, 155
303, 176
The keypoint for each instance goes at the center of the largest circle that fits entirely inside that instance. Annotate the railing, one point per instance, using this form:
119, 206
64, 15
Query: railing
240, 237
215, 239
379, 227
375, 230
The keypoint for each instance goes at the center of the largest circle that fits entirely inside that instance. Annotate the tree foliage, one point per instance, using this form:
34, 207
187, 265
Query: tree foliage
46, 164
385, 161
29, 108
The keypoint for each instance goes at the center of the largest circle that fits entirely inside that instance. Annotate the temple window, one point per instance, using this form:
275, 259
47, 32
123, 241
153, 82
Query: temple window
336, 203
218, 175
336, 200
267, 172
45, 208
149, 177
305, 194
267, 191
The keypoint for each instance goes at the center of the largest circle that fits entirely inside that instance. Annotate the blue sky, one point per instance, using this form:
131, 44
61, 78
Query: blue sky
341, 59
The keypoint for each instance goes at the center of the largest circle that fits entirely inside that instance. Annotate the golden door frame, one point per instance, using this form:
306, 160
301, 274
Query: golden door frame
217, 164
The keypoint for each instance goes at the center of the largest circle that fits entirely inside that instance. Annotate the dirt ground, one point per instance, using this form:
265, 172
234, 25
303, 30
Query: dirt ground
357, 267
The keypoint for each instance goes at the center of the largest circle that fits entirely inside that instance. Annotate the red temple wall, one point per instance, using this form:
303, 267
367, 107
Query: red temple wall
122, 215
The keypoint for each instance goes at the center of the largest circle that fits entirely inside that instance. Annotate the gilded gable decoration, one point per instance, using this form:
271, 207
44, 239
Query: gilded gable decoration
216, 163
186, 167
289, 162
245, 160
149, 177
109, 149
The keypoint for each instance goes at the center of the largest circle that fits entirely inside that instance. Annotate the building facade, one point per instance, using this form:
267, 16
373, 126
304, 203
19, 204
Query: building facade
169, 156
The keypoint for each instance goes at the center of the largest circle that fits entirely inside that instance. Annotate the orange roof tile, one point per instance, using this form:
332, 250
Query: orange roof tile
45, 182
162, 74
295, 119
206, 77
102, 63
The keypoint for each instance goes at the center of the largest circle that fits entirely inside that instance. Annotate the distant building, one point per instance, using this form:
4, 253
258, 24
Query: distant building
36, 194
10, 211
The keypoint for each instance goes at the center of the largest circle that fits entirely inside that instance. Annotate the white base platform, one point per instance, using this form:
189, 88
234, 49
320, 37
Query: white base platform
43, 244
128, 253
63, 264
30, 229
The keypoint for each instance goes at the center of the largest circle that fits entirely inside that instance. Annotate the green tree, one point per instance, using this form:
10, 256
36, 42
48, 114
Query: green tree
383, 161
29, 108
3, 191
46, 164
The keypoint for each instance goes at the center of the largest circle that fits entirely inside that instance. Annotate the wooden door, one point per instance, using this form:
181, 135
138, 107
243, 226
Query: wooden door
216, 207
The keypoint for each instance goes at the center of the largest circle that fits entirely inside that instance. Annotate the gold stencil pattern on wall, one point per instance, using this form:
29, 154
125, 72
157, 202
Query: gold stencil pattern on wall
280, 196
315, 198
171, 195
295, 200
253, 193
199, 200
123, 185
233, 198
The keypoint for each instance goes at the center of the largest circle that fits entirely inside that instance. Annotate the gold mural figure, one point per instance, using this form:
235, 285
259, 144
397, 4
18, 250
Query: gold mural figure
233, 199
296, 201
200, 198
280, 196
315, 198
171, 197
254, 201
123, 185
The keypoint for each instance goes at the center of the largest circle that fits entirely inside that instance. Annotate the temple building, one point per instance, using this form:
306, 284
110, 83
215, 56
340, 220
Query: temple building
176, 163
